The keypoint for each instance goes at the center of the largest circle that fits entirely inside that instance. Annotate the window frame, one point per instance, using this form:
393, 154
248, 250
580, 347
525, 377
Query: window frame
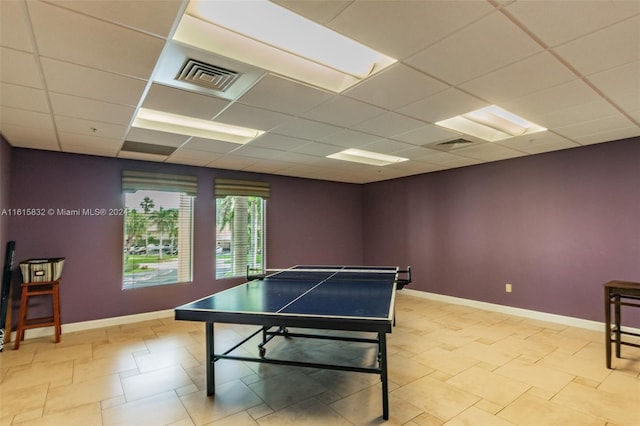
184, 189
241, 188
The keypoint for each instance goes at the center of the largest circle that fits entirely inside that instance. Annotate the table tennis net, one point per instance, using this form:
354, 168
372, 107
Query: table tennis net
334, 273
343, 274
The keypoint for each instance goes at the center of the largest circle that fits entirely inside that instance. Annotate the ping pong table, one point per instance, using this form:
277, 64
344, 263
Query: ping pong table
343, 298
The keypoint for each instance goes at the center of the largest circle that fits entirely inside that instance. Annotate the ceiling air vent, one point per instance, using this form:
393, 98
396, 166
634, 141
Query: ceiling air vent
147, 148
207, 75
449, 145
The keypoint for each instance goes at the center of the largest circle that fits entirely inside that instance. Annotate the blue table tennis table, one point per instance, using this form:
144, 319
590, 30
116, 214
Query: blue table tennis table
343, 298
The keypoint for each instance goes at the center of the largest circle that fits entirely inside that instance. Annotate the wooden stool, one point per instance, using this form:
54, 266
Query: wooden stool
38, 289
618, 293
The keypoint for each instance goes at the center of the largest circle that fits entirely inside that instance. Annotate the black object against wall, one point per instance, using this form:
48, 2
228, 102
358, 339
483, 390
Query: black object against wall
6, 286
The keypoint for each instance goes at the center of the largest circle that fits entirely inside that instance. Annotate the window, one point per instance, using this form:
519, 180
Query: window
240, 227
158, 229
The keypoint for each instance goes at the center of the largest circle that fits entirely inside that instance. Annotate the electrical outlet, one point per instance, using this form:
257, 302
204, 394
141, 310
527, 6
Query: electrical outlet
507, 288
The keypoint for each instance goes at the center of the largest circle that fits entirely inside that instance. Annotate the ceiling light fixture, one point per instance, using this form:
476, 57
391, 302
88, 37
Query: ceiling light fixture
366, 157
272, 37
173, 123
491, 124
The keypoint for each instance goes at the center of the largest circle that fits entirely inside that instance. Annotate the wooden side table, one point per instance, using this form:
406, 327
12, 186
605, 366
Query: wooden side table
618, 293
47, 288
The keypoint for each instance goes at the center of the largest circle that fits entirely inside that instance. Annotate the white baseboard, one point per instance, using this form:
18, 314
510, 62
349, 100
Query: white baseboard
526, 313
89, 325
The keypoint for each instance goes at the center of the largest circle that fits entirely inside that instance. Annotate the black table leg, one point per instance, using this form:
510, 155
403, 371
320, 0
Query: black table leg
382, 338
211, 368
617, 315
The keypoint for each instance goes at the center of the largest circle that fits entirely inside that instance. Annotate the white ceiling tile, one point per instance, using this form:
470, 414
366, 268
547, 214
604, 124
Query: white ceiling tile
14, 31
311, 172
316, 10
87, 127
395, 87
538, 143
93, 145
486, 45
306, 129
208, 145
578, 113
520, 78
257, 152
177, 101
280, 142
89, 109
621, 85
25, 118
443, 105
19, 68
400, 28
386, 173
283, 95
343, 111
350, 139
156, 17
22, 97
447, 159
415, 152
427, 134
232, 162
251, 117
154, 137
104, 46
389, 124
91, 83
610, 135
189, 161
318, 149
596, 127
266, 166
192, 157
595, 52
30, 137
416, 166
387, 146
550, 107
142, 156
489, 152
558, 21
298, 158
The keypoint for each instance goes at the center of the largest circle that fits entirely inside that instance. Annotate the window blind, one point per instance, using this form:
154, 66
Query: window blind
138, 180
247, 188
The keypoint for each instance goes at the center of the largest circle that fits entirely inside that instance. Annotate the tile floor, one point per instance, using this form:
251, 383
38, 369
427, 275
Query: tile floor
449, 364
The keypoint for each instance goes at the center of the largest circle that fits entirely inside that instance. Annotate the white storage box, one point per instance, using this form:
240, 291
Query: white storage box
41, 270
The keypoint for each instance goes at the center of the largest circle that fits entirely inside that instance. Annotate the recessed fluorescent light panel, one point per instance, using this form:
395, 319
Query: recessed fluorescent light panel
366, 157
266, 35
173, 123
491, 124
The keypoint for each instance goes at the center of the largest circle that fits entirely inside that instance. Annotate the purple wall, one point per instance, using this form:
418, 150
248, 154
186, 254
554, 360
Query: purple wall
556, 226
299, 229
310, 220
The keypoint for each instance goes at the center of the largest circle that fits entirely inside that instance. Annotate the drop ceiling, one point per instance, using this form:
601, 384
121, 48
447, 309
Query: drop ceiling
74, 73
